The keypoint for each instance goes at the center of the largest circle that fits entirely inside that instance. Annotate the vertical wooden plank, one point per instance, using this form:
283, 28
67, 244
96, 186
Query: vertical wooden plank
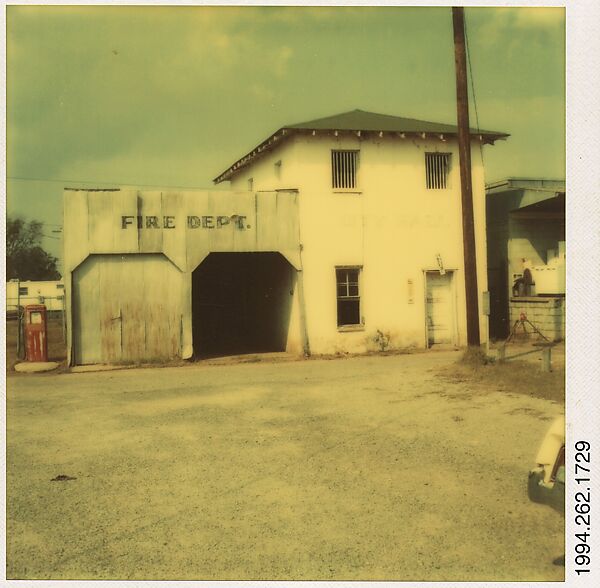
122, 240
149, 207
174, 239
86, 314
111, 315
197, 238
268, 219
100, 222
75, 228
244, 239
134, 306
183, 297
177, 315
162, 308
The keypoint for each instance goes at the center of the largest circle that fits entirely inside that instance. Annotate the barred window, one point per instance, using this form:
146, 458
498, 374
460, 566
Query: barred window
348, 296
23, 291
344, 167
437, 167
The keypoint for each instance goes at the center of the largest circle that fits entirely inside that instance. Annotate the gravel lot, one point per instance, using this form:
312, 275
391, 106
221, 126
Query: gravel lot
367, 468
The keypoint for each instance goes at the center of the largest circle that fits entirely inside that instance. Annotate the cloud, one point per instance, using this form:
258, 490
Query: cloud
89, 82
134, 92
262, 92
527, 17
492, 26
282, 58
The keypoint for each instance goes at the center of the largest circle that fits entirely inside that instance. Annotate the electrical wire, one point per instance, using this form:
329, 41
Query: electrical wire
473, 91
104, 182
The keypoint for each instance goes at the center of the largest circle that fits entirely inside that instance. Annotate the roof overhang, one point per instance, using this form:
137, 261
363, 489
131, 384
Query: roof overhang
552, 207
284, 133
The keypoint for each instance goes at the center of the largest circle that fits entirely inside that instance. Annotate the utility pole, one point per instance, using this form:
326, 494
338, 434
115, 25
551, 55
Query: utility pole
466, 188
18, 318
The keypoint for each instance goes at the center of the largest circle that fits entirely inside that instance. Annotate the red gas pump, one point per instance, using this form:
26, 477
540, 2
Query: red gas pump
36, 333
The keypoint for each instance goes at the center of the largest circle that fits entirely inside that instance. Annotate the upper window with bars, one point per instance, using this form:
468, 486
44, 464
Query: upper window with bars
437, 169
344, 170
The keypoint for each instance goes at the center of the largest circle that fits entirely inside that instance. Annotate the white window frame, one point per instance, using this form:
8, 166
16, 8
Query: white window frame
359, 326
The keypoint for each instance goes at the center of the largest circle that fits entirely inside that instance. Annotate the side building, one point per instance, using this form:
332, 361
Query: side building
338, 235
526, 255
22, 293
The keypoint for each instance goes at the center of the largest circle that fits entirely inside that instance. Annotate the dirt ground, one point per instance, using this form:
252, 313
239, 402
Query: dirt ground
399, 467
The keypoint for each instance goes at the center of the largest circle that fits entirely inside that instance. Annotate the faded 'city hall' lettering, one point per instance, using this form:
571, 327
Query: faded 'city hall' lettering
237, 221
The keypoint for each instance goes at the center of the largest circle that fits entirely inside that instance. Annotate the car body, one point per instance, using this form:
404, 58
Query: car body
546, 484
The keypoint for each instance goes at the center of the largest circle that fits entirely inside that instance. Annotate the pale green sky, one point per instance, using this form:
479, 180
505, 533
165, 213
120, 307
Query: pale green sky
171, 96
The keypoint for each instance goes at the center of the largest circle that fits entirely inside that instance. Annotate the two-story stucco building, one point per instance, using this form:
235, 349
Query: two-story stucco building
341, 234
379, 208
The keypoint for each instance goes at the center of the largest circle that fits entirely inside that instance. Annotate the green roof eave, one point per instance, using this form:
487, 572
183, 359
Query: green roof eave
354, 121
361, 120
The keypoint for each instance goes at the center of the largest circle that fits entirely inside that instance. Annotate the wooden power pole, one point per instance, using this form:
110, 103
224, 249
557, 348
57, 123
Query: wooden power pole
464, 149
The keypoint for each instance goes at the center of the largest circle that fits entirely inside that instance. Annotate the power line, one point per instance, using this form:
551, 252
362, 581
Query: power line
97, 182
473, 92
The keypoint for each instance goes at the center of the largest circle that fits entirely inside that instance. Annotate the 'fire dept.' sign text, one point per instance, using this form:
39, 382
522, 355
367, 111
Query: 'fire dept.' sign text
236, 221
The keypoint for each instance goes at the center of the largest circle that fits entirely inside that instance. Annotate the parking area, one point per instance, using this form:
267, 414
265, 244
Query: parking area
396, 467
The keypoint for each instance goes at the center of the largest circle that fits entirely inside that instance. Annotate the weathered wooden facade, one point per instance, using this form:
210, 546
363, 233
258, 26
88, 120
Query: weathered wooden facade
130, 263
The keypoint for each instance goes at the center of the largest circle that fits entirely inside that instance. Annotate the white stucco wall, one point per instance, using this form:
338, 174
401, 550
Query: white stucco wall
393, 226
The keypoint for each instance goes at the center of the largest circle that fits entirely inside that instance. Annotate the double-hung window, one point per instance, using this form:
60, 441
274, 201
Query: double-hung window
344, 170
348, 296
437, 168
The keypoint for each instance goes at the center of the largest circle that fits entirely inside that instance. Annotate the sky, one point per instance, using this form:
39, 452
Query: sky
171, 96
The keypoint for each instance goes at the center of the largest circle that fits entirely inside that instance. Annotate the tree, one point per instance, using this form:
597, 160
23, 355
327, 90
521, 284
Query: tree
25, 257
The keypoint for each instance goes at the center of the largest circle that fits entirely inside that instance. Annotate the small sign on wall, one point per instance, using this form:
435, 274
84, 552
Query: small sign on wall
440, 264
410, 291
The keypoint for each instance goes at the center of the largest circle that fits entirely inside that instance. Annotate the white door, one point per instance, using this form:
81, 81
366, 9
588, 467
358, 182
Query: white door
440, 308
126, 308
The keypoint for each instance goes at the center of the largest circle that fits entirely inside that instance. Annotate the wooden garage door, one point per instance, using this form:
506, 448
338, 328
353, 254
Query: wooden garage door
126, 308
440, 308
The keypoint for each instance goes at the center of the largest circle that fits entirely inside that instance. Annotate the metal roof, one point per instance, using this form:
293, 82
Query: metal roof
553, 205
357, 121
361, 120
543, 184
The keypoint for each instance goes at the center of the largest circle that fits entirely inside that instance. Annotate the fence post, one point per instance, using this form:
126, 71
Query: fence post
547, 359
64, 321
501, 353
18, 319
